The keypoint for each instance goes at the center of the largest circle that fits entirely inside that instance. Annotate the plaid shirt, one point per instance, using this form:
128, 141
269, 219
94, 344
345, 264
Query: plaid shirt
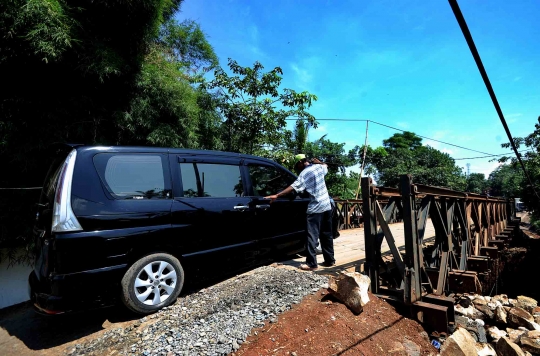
311, 179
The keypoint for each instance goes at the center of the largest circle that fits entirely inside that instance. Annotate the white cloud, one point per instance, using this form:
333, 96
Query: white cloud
446, 150
484, 167
403, 125
254, 33
321, 129
511, 118
302, 75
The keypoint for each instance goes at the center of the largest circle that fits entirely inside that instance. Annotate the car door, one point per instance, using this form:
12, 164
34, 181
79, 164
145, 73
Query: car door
211, 213
283, 222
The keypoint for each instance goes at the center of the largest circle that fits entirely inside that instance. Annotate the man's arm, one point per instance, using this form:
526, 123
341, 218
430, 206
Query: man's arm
284, 192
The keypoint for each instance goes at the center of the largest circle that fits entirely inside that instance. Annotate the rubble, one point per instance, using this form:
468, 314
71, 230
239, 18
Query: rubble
497, 325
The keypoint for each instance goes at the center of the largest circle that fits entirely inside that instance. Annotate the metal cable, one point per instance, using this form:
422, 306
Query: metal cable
470, 42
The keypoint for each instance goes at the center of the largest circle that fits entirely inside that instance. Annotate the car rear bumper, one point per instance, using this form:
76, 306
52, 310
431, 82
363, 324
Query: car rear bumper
63, 293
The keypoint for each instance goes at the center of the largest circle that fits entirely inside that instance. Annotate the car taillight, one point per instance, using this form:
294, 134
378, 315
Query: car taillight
63, 217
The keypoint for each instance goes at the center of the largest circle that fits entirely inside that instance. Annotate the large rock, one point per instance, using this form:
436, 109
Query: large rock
500, 315
512, 302
468, 312
515, 335
485, 350
534, 326
495, 333
519, 317
465, 302
505, 347
479, 301
531, 345
494, 304
460, 343
352, 289
477, 331
486, 311
462, 320
526, 303
502, 298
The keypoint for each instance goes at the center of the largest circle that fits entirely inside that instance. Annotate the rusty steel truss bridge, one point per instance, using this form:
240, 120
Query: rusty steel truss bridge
470, 232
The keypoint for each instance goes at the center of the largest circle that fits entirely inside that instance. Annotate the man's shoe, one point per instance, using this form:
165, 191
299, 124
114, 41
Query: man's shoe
318, 251
328, 264
305, 267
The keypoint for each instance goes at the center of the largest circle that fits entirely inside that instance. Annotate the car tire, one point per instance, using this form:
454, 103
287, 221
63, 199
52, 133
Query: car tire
152, 282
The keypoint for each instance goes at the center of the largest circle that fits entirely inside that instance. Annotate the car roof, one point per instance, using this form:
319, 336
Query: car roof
180, 151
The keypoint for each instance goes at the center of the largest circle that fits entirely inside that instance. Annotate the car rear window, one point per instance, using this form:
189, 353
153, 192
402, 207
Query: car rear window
133, 176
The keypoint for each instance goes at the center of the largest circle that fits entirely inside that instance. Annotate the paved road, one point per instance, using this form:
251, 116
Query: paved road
349, 248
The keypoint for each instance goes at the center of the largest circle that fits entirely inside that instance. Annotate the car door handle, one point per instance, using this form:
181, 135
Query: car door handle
262, 206
241, 207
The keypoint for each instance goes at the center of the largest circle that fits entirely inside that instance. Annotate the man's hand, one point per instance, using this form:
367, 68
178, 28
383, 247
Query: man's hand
271, 197
283, 193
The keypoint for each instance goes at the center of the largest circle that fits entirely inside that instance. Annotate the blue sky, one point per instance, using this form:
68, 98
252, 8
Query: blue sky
401, 63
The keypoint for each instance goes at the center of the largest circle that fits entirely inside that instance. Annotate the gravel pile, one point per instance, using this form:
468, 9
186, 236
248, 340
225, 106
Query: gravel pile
213, 321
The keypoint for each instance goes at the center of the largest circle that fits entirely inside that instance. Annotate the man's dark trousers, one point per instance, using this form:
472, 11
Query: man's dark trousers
319, 227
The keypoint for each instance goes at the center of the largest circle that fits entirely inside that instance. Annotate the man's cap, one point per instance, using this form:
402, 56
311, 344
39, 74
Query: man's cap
299, 157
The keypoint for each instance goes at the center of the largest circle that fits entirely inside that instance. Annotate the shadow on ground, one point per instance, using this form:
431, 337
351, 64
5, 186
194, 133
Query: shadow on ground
39, 332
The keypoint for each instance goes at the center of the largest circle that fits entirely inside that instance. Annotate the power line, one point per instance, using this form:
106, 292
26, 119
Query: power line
502, 154
395, 128
432, 139
472, 47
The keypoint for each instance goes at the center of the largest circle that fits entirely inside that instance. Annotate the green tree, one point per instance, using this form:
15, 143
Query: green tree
407, 140
254, 109
476, 183
516, 182
506, 181
299, 137
104, 72
404, 154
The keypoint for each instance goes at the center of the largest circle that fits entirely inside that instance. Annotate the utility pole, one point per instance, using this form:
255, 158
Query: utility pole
468, 170
363, 161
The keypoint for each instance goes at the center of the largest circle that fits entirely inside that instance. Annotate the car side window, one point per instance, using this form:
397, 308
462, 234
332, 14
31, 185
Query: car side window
268, 180
133, 176
211, 180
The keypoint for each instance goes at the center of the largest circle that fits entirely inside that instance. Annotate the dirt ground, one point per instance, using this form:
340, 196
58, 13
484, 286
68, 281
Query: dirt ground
320, 325
25, 333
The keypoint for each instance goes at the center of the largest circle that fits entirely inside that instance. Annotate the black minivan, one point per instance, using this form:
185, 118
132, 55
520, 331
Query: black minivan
134, 222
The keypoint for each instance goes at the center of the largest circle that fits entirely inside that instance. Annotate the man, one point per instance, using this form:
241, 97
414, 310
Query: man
319, 211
